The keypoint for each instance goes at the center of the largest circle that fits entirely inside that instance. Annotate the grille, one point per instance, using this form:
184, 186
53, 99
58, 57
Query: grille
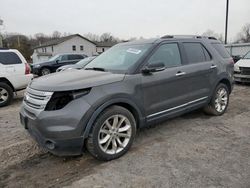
245, 70
37, 99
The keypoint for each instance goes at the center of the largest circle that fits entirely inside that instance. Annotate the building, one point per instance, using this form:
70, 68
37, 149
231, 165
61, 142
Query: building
69, 44
103, 46
238, 49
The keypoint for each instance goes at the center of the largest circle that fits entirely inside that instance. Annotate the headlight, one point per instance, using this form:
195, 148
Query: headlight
236, 68
60, 99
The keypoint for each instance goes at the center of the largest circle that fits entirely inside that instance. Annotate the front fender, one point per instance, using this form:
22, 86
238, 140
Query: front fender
108, 103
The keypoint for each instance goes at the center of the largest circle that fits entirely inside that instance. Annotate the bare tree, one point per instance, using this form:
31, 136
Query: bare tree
92, 37
211, 33
244, 35
106, 37
56, 35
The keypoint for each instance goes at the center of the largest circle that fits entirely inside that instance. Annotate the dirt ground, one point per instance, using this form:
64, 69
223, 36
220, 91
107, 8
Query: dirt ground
194, 150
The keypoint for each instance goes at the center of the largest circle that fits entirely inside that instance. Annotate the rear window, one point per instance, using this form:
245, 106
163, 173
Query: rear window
221, 50
9, 58
196, 52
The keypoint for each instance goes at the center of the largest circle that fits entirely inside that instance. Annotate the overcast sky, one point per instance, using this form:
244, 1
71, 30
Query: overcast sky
123, 18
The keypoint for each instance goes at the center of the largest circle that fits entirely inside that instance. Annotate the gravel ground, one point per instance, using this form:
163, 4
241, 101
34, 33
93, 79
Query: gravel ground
194, 150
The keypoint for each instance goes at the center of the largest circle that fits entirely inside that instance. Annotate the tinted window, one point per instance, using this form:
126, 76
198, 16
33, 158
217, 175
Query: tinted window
196, 52
9, 58
73, 57
221, 50
168, 54
64, 58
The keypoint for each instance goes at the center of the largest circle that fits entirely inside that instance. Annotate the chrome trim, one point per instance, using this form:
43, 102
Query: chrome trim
170, 109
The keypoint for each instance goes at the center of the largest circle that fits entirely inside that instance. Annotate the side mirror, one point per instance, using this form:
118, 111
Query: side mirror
57, 61
156, 67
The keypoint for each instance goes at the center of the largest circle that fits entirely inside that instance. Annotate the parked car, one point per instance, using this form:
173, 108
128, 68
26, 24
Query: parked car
242, 69
236, 58
132, 85
55, 62
79, 65
14, 74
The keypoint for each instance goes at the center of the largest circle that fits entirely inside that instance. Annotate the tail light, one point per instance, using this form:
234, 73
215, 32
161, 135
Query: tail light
27, 68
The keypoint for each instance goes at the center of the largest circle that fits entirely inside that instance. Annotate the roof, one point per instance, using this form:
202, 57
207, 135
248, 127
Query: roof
61, 40
105, 44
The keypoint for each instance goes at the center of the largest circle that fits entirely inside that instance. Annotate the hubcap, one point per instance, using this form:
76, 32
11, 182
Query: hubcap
114, 134
3, 95
45, 71
221, 100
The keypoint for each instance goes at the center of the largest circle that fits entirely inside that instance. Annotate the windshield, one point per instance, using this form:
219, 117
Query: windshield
85, 61
119, 58
247, 56
54, 58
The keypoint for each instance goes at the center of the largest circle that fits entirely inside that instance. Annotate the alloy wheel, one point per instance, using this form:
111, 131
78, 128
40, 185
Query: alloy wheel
3, 95
221, 100
115, 134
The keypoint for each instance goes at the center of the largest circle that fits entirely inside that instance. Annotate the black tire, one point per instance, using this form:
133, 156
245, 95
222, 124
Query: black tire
210, 108
93, 140
8, 94
45, 71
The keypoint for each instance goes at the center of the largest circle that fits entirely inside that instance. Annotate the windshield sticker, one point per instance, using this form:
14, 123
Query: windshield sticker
134, 51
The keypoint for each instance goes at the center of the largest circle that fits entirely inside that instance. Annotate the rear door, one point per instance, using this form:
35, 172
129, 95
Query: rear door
200, 70
12, 67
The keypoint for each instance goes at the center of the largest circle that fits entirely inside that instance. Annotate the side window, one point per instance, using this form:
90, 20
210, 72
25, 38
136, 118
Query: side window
168, 54
9, 58
64, 58
221, 50
74, 57
196, 53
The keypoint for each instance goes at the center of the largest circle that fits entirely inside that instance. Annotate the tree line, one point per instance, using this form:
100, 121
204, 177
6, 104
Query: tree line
25, 44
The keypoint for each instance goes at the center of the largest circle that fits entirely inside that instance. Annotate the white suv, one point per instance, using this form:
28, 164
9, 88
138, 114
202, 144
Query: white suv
14, 74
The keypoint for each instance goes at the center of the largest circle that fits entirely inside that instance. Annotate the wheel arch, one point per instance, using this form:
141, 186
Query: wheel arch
5, 80
123, 102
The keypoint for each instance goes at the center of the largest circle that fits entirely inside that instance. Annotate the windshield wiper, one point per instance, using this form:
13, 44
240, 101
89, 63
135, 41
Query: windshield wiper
96, 69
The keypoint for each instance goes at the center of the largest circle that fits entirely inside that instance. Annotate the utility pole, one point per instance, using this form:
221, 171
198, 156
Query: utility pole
226, 25
1, 38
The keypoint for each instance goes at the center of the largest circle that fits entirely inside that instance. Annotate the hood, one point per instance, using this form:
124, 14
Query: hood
74, 79
42, 63
243, 63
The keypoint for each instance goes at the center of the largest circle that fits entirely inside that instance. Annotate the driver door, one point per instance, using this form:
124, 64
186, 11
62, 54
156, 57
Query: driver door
165, 90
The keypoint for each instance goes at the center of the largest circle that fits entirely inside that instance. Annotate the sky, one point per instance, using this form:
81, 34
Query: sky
123, 18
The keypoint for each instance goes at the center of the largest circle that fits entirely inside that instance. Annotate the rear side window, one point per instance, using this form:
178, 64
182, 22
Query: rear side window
168, 54
9, 58
74, 57
221, 50
196, 53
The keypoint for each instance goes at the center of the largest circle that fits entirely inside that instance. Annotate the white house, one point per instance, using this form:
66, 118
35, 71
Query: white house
69, 44
103, 46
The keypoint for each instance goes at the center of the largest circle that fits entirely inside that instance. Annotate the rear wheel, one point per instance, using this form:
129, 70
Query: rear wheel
112, 134
219, 102
6, 94
45, 71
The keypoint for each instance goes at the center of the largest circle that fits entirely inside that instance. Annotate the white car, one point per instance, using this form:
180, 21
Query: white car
242, 69
14, 74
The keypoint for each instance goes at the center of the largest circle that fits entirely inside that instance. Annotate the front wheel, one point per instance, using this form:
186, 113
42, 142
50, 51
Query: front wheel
112, 134
219, 102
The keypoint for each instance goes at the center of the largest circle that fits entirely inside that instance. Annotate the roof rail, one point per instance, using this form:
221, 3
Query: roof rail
187, 36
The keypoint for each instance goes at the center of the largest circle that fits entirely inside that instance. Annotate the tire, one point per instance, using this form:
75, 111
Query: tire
102, 130
45, 71
6, 94
217, 100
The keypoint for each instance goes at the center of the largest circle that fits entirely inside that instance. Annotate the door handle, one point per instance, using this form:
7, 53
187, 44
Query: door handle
213, 66
180, 73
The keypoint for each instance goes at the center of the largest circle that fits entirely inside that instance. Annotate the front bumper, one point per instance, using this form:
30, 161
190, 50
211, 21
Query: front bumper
61, 131
242, 78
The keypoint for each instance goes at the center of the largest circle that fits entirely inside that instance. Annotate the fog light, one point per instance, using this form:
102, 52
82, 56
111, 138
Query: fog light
50, 145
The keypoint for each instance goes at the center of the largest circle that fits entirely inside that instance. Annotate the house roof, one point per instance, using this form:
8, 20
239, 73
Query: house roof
61, 40
105, 44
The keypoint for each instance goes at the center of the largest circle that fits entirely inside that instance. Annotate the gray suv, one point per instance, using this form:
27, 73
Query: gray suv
132, 85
